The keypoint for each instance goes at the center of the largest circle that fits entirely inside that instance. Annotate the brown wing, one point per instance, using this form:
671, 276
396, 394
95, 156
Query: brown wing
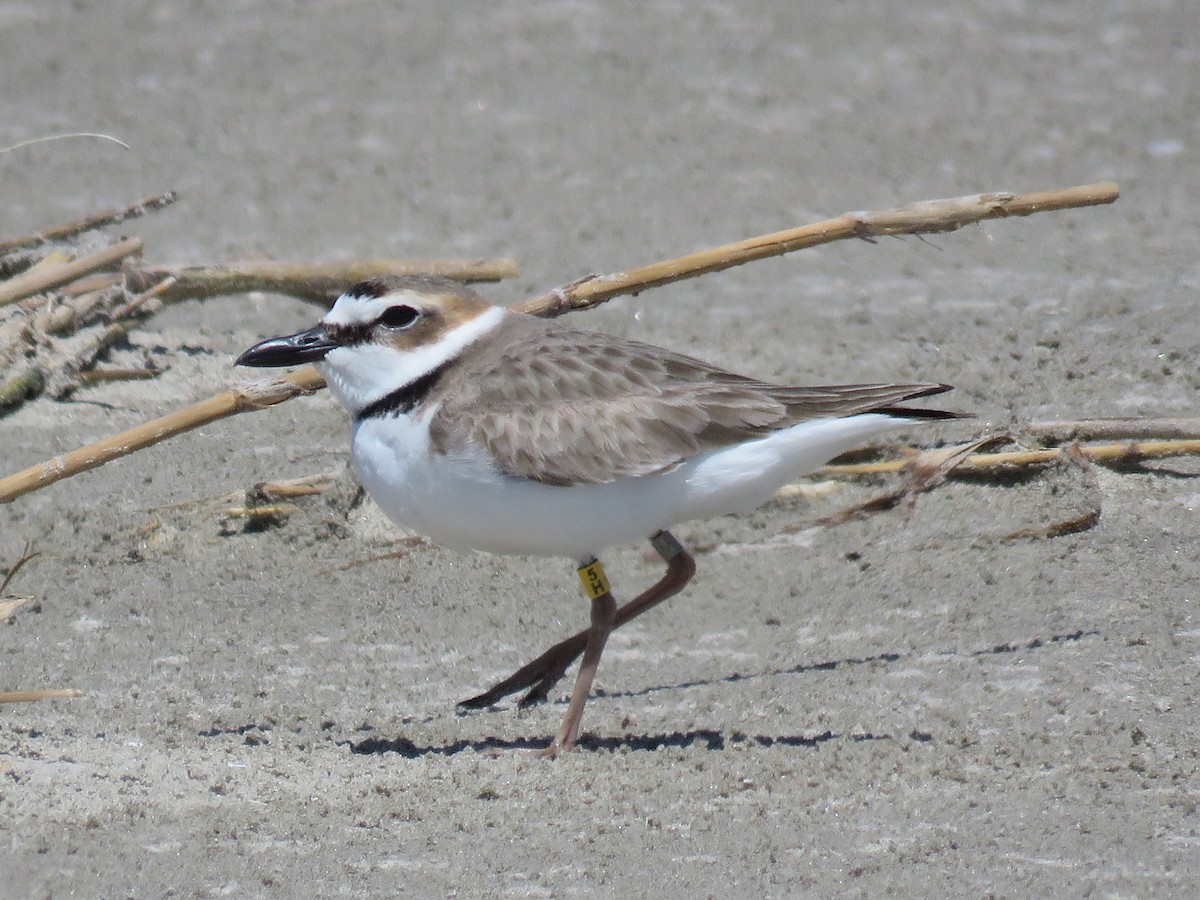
574, 407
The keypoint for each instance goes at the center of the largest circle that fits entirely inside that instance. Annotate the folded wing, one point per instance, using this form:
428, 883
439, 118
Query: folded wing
568, 407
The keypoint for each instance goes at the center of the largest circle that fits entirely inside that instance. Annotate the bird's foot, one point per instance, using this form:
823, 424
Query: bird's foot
539, 676
550, 751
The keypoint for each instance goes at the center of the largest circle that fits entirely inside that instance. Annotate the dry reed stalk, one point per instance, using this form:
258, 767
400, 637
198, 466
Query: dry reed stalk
227, 403
1123, 452
90, 223
309, 281
926, 217
304, 486
925, 471
32, 696
47, 278
64, 316
145, 303
99, 376
271, 511
66, 378
53, 258
1173, 428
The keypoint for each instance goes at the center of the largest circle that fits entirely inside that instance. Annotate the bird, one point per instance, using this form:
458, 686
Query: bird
487, 429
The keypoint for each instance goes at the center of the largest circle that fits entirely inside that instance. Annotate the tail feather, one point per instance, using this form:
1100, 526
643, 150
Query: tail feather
908, 412
839, 401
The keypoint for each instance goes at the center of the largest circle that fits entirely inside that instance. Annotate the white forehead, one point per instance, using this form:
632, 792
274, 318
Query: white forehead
356, 309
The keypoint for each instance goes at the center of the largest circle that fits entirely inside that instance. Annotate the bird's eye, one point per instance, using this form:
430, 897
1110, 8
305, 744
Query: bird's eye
398, 317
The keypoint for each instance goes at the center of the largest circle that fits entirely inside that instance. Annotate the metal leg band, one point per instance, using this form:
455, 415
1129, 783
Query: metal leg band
666, 545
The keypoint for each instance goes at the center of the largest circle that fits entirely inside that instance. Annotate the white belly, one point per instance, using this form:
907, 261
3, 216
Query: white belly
464, 503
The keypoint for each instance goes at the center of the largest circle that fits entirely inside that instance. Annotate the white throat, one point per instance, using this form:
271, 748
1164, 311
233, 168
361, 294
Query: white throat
361, 374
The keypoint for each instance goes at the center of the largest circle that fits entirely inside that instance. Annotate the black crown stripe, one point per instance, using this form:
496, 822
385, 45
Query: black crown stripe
372, 288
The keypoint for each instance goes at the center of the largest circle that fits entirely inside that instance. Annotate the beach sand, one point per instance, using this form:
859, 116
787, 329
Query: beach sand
915, 703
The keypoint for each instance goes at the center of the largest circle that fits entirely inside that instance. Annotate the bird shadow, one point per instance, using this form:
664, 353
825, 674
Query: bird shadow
851, 662
1157, 469
703, 738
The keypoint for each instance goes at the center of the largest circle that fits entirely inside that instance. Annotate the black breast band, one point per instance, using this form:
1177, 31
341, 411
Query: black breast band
404, 399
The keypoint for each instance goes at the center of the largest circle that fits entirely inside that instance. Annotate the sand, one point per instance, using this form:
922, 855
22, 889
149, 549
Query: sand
910, 704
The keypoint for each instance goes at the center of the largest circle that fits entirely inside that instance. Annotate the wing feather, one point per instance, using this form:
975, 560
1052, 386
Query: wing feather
565, 407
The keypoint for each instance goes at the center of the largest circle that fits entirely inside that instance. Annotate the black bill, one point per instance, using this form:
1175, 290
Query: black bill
292, 350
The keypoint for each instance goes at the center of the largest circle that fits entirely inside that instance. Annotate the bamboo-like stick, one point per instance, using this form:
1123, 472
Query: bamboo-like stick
1130, 451
89, 283
53, 258
45, 279
64, 317
32, 696
96, 376
144, 303
936, 215
90, 223
65, 380
1115, 430
309, 281
304, 486
226, 403
926, 217
269, 511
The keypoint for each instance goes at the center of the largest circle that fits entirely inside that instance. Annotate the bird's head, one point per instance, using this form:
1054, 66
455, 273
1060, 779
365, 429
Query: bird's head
382, 335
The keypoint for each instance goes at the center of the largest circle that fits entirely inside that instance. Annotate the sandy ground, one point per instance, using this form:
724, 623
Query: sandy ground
909, 704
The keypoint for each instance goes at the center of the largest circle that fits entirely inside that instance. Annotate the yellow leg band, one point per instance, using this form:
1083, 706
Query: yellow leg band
595, 582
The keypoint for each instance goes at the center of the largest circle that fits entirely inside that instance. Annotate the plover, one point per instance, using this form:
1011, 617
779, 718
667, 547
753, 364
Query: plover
487, 429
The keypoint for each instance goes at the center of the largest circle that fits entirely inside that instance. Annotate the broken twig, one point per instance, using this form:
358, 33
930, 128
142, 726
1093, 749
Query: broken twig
90, 223
925, 471
1129, 452
97, 376
26, 556
225, 404
308, 281
44, 279
927, 217
1115, 430
33, 696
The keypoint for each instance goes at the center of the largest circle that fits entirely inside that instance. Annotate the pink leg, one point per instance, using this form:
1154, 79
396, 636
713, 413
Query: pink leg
604, 615
546, 671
